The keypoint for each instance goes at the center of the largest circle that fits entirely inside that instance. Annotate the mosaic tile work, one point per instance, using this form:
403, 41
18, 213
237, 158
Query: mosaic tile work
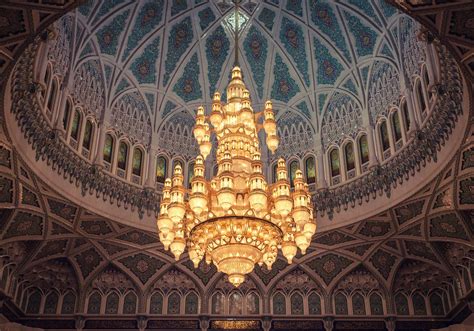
188, 86
217, 50
284, 86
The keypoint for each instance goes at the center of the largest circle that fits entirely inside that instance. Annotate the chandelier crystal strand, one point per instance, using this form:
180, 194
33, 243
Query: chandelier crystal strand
236, 219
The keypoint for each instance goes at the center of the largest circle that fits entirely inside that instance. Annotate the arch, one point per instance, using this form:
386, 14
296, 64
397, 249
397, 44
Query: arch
88, 135
426, 81
419, 304
236, 303
174, 303
67, 114
52, 97
137, 161
296, 304
310, 169
175, 163
34, 302
274, 172
363, 149
401, 304
404, 113
69, 303
190, 175
161, 169
334, 162
191, 303
436, 304
358, 304
314, 304
217, 303
279, 304
396, 125
112, 304
156, 303
253, 303
384, 137
109, 148
340, 304
292, 171
130, 303
76, 124
349, 157
420, 98
376, 305
122, 156
51, 303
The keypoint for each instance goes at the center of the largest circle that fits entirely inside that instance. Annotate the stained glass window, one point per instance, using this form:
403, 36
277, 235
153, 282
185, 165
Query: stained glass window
419, 305
130, 303
385, 140
190, 174
397, 129
296, 304
34, 302
274, 172
191, 304
310, 169
334, 161
111, 305
253, 303
401, 304
436, 304
108, 148
67, 114
293, 168
93, 306
358, 304
314, 304
235, 303
161, 169
69, 303
52, 95
76, 123
175, 163
279, 305
426, 79
406, 116
340, 303
137, 162
420, 97
217, 303
350, 156
156, 303
51, 303
122, 156
376, 307
174, 302
86, 142
364, 149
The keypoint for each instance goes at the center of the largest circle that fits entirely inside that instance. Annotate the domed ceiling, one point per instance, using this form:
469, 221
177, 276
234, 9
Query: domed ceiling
307, 57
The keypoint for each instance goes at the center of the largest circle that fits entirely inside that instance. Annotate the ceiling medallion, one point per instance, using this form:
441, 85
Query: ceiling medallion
236, 219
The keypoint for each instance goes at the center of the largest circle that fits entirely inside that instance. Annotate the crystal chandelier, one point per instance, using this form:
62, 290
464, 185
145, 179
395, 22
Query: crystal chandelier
236, 219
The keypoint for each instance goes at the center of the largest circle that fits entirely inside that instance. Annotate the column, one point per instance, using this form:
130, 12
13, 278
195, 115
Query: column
99, 146
43, 55
342, 164
321, 176
151, 176
63, 95
373, 160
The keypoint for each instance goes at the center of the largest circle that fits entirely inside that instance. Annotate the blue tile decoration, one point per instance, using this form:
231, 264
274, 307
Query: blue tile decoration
295, 6
323, 16
386, 51
293, 40
179, 39
349, 84
364, 37
86, 8
148, 18
394, 31
267, 17
188, 86
122, 85
169, 106
178, 6
387, 9
206, 17
217, 50
303, 107
150, 97
329, 67
135, 100
256, 49
367, 8
106, 8
321, 102
144, 66
108, 36
284, 86
276, 2
108, 73
365, 74
87, 50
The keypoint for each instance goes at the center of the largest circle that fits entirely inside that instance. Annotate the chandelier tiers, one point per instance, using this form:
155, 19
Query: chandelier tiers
236, 219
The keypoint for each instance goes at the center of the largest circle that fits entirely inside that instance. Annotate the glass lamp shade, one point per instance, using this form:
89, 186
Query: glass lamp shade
301, 215
289, 250
164, 223
309, 229
198, 202
199, 132
205, 148
283, 205
226, 198
177, 247
258, 200
272, 142
302, 242
166, 239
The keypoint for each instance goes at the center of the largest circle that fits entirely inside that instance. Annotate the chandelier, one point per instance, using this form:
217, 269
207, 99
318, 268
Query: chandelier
236, 219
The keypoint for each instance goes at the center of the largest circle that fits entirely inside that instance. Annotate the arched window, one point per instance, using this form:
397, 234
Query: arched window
401, 304
376, 307
358, 304
274, 172
419, 306
161, 169
310, 170
334, 162
253, 303
384, 139
279, 304
293, 168
137, 162
86, 142
130, 303
235, 303
34, 302
191, 303
76, 124
190, 174
174, 302
51, 303
156, 303
217, 303
314, 304
296, 304
112, 303
436, 304
349, 156
93, 307
122, 156
175, 163
406, 116
46, 78
52, 96
426, 79
340, 303
396, 126
420, 97
69, 304
364, 149
108, 148
67, 114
